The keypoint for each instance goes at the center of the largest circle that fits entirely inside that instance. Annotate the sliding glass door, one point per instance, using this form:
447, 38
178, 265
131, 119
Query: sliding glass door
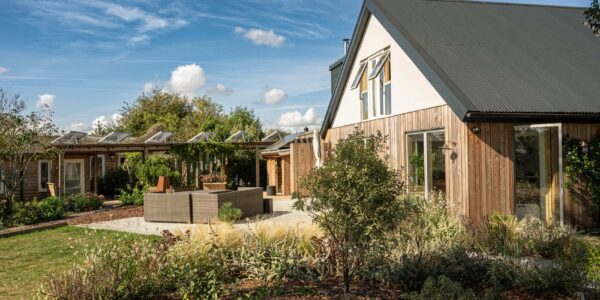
426, 168
538, 172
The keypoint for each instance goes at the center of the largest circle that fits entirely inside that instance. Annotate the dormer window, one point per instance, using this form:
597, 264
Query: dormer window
374, 82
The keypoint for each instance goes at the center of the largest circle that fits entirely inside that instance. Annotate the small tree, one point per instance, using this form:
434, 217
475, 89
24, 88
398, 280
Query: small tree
592, 16
354, 197
24, 138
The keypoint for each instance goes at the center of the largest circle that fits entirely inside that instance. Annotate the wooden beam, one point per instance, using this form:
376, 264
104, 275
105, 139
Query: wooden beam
95, 174
61, 173
257, 165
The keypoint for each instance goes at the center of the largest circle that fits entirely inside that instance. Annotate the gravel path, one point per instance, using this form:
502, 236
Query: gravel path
283, 213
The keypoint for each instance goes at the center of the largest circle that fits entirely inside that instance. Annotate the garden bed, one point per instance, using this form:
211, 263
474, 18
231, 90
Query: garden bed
121, 212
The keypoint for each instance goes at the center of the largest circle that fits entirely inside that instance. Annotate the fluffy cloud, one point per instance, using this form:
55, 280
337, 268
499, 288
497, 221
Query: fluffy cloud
79, 126
273, 96
187, 80
220, 89
149, 86
297, 119
105, 121
139, 39
261, 37
3, 70
45, 101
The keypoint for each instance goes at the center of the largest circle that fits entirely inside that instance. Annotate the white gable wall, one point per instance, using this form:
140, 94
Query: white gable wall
411, 91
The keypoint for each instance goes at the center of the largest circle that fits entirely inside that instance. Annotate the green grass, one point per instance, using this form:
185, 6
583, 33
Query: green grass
26, 260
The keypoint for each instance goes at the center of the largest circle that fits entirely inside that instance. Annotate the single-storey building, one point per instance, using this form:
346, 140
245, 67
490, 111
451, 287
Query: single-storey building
475, 98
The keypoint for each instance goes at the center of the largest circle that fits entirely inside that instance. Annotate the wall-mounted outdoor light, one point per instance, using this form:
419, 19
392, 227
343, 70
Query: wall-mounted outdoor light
584, 147
476, 130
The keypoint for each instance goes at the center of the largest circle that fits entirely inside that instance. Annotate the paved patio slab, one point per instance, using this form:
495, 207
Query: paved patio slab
282, 213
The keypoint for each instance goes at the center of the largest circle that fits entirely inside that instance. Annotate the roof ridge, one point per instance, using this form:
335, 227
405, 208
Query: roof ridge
509, 3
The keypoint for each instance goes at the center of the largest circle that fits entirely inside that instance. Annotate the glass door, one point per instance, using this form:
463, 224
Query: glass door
73, 176
538, 172
426, 163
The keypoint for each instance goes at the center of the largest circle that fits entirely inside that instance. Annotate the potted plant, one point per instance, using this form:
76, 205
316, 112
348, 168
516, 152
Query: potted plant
214, 182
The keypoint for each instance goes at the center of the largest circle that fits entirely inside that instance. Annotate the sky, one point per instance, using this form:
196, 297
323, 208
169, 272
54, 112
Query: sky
84, 59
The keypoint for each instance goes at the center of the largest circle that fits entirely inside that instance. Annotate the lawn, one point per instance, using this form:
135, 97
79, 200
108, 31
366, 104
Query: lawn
25, 260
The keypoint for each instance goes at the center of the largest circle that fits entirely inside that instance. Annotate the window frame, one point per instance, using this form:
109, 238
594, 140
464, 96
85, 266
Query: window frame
378, 85
39, 175
102, 166
426, 154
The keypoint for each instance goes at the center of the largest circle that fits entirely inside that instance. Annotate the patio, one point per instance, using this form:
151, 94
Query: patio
282, 213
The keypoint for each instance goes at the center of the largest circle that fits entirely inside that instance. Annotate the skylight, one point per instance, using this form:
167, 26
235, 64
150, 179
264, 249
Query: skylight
114, 137
159, 138
70, 138
202, 137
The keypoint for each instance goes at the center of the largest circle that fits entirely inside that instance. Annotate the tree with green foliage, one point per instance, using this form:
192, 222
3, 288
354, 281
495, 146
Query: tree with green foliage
154, 166
24, 138
582, 167
354, 197
592, 16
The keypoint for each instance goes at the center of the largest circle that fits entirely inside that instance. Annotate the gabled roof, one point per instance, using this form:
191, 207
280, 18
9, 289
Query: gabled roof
492, 59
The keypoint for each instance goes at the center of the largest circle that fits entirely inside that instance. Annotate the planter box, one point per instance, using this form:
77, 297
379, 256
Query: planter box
211, 186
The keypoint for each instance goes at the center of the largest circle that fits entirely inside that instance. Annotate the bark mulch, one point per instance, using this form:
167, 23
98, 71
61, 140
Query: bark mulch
121, 212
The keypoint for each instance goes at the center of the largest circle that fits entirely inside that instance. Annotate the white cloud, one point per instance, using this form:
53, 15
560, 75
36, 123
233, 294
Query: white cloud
296, 119
116, 118
45, 101
138, 39
220, 89
149, 86
273, 96
3, 70
261, 37
79, 126
187, 80
105, 121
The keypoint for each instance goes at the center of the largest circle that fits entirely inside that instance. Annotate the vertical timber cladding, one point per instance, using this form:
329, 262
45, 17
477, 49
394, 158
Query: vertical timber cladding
395, 129
577, 211
491, 182
303, 160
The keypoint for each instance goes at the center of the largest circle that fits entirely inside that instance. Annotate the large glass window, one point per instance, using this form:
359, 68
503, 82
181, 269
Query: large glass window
73, 176
43, 175
426, 167
538, 172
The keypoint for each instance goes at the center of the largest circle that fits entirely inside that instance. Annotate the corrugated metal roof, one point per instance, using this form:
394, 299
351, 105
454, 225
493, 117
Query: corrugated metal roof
506, 57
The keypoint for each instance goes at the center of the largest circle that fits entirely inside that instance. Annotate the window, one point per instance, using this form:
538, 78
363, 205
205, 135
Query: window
426, 171
101, 166
374, 80
43, 175
121, 160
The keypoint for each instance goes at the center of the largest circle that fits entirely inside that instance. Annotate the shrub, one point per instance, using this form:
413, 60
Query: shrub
154, 166
135, 197
228, 213
114, 269
113, 182
443, 288
593, 264
498, 235
34, 211
52, 208
354, 198
83, 202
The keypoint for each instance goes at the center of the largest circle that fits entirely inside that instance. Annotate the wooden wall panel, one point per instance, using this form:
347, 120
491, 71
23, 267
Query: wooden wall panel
396, 127
303, 161
272, 171
286, 177
491, 184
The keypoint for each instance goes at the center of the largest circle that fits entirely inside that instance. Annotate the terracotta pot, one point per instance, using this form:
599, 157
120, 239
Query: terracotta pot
214, 186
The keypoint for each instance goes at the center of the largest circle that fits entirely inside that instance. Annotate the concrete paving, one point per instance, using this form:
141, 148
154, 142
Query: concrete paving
282, 213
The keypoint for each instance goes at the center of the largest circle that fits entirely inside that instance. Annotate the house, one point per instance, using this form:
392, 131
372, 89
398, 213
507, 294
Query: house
475, 99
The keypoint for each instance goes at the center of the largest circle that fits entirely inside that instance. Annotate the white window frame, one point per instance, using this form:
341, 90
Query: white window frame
39, 175
102, 165
425, 156
376, 88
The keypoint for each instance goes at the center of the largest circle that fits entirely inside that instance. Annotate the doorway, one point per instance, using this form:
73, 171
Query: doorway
538, 172
73, 176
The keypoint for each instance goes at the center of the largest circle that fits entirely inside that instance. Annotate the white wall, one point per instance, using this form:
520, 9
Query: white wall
411, 91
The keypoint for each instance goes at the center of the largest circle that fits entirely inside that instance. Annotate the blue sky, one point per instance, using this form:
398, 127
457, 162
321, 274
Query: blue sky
85, 58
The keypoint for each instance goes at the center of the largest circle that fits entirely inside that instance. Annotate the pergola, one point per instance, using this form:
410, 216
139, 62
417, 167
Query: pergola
80, 143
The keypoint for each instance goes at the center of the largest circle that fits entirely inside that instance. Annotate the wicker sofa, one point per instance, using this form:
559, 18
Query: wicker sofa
200, 206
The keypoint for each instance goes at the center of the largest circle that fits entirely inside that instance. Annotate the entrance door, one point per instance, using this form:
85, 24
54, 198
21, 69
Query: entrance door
538, 172
74, 176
